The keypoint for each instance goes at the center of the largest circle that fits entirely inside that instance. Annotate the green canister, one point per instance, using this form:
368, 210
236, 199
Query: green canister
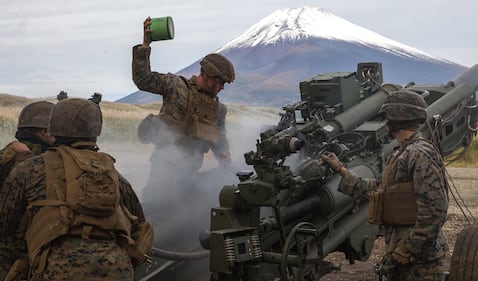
162, 29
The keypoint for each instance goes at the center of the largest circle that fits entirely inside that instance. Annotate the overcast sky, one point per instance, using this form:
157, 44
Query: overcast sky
84, 46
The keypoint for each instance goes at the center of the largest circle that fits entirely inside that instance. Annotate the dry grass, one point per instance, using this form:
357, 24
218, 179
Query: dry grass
121, 121
7, 100
470, 156
10, 107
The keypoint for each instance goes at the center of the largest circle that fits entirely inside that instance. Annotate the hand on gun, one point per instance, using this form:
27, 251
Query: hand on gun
331, 159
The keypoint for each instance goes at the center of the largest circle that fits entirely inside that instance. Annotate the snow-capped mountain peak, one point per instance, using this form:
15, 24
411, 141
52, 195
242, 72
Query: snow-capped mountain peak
285, 25
290, 45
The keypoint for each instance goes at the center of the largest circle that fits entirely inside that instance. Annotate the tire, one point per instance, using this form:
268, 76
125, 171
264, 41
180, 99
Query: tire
464, 260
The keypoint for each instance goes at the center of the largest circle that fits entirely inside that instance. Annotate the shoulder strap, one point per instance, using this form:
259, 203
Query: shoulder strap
391, 166
54, 175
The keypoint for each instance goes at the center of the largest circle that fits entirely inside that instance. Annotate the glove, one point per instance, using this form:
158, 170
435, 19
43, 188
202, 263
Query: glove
331, 159
401, 255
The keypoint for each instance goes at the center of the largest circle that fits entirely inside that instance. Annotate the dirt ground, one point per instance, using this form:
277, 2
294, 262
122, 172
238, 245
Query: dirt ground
464, 184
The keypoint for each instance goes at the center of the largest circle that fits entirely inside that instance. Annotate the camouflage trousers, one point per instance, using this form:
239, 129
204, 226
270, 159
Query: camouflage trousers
75, 258
416, 271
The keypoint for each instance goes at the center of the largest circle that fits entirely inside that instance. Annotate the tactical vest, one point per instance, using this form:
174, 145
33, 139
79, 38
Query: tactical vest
82, 199
200, 119
394, 202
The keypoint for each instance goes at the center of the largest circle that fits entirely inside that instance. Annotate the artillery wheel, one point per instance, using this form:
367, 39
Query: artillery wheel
464, 260
302, 241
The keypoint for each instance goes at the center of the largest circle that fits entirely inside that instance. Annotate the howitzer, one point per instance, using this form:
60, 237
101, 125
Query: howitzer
282, 219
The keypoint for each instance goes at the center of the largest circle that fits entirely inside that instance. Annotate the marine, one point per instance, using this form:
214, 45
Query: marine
191, 122
410, 202
32, 138
80, 218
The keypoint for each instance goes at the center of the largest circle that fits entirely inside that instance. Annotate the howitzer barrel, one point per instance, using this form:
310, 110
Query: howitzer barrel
453, 110
347, 225
323, 201
469, 77
348, 221
365, 110
449, 101
368, 108
300, 209
466, 84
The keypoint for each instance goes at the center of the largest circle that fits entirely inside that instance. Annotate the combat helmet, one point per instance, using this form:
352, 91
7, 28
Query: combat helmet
404, 105
35, 115
77, 118
218, 65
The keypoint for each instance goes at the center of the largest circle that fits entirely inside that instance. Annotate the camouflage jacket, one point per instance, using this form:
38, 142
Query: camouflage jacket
10, 156
175, 91
421, 164
26, 183
12, 248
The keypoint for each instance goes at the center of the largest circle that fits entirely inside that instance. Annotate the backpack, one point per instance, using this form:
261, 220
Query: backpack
92, 184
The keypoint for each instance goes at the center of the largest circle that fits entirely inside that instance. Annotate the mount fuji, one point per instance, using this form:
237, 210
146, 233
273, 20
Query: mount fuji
291, 45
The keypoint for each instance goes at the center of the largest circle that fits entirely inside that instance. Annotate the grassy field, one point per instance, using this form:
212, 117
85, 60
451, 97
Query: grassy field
121, 122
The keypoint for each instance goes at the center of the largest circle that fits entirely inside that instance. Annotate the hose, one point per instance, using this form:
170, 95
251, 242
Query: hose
179, 256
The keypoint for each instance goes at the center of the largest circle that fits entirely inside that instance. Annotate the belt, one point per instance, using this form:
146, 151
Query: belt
92, 232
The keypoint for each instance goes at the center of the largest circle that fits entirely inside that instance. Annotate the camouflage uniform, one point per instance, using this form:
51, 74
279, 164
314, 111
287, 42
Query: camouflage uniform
70, 236
34, 115
181, 157
10, 156
70, 258
421, 164
11, 248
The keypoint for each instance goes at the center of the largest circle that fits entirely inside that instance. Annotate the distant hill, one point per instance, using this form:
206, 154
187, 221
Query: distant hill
120, 120
291, 45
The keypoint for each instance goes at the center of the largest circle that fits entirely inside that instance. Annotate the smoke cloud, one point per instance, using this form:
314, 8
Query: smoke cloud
182, 209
